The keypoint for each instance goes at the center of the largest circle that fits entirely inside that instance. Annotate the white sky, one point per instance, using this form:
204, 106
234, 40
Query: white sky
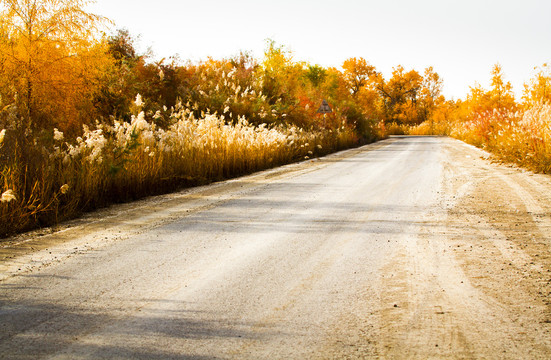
460, 39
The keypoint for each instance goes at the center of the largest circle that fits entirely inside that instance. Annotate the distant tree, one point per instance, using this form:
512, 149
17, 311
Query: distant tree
121, 46
357, 72
499, 97
400, 95
501, 92
280, 73
430, 93
538, 89
316, 75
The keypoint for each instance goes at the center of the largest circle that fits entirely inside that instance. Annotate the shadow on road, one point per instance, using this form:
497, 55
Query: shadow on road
31, 330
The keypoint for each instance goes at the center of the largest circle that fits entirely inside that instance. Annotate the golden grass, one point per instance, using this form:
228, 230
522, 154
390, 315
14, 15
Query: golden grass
523, 137
129, 160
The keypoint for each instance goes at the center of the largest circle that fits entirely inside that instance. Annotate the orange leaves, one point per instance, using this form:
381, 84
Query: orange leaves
357, 72
538, 89
50, 59
491, 119
407, 96
501, 94
500, 97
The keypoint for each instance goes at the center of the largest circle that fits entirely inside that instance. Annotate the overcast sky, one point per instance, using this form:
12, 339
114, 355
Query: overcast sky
460, 39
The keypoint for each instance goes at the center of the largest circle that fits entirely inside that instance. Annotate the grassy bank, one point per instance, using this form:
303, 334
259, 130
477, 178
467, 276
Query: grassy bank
129, 160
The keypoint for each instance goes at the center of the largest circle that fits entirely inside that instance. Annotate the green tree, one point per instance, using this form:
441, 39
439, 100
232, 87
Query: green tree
316, 74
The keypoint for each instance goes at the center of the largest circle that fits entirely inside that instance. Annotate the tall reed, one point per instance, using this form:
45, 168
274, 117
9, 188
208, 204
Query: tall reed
128, 160
522, 137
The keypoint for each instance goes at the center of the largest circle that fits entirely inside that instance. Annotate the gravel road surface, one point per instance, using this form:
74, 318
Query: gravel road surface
413, 247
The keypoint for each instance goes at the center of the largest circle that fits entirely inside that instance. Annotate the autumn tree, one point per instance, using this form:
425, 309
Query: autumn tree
400, 95
334, 85
499, 97
538, 89
279, 73
501, 92
357, 72
430, 96
282, 82
118, 82
50, 59
160, 83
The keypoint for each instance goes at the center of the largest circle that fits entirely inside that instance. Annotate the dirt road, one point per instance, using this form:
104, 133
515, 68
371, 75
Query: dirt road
413, 247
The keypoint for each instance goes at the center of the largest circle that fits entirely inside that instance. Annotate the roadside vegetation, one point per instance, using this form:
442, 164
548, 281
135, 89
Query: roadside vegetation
515, 131
86, 120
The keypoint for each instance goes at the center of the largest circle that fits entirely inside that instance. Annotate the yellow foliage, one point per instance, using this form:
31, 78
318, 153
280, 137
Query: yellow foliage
132, 159
50, 59
357, 72
538, 90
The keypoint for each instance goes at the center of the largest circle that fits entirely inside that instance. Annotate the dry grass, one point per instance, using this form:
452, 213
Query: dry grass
523, 137
133, 159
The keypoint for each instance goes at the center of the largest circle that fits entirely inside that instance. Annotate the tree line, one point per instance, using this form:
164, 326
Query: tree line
71, 94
